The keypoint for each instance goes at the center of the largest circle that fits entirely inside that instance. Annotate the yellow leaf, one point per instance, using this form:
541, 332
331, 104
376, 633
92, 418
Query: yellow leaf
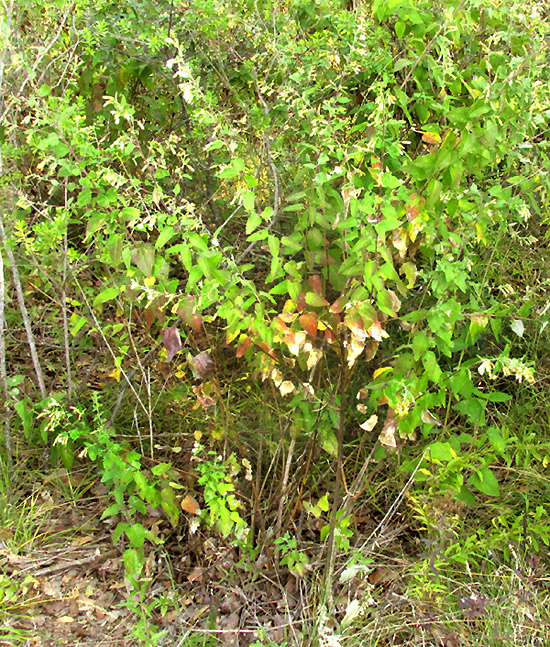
115, 374
381, 371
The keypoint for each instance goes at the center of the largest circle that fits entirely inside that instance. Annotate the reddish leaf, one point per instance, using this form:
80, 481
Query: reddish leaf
266, 349
149, 317
371, 349
280, 324
338, 305
202, 365
431, 138
186, 309
295, 341
316, 283
308, 321
196, 323
188, 315
301, 303
171, 341
243, 346
377, 332
413, 207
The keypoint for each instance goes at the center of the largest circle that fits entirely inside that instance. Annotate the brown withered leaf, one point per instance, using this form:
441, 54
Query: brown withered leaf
202, 365
429, 419
190, 505
171, 341
204, 399
376, 331
369, 424
387, 436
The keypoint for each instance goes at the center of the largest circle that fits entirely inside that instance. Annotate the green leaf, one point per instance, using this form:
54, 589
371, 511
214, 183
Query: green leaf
496, 439
478, 323
466, 496
84, 198
498, 396
441, 452
144, 258
78, 325
107, 295
253, 222
389, 181
274, 245
399, 29
136, 535
161, 469
315, 300
410, 272
323, 503
485, 481
386, 303
431, 367
129, 213
421, 343
294, 197
111, 510
473, 408
232, 170
294, 207
329, 442
133, 562
248, 199
215, 145
117, 532
135, 503
169, 504
165, 235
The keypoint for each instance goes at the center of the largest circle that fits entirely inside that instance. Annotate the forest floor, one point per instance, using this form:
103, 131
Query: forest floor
66, 585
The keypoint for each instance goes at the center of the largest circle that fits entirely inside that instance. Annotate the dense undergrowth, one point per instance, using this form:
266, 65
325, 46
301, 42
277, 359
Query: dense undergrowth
275, 275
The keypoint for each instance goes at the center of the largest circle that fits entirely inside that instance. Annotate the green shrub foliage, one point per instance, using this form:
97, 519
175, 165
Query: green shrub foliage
323, 186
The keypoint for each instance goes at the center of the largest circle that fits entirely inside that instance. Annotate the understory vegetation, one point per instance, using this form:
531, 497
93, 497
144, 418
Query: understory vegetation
273, 322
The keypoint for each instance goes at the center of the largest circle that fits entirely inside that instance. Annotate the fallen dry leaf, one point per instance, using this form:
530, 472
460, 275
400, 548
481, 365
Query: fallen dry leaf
190, 505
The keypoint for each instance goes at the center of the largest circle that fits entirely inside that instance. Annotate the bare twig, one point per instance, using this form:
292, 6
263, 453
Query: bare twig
94, 559
381, 527
3, 372
130, 375
357, 485
38, 60
64, 314
284, 485
105, 341
24, 311
337, 500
